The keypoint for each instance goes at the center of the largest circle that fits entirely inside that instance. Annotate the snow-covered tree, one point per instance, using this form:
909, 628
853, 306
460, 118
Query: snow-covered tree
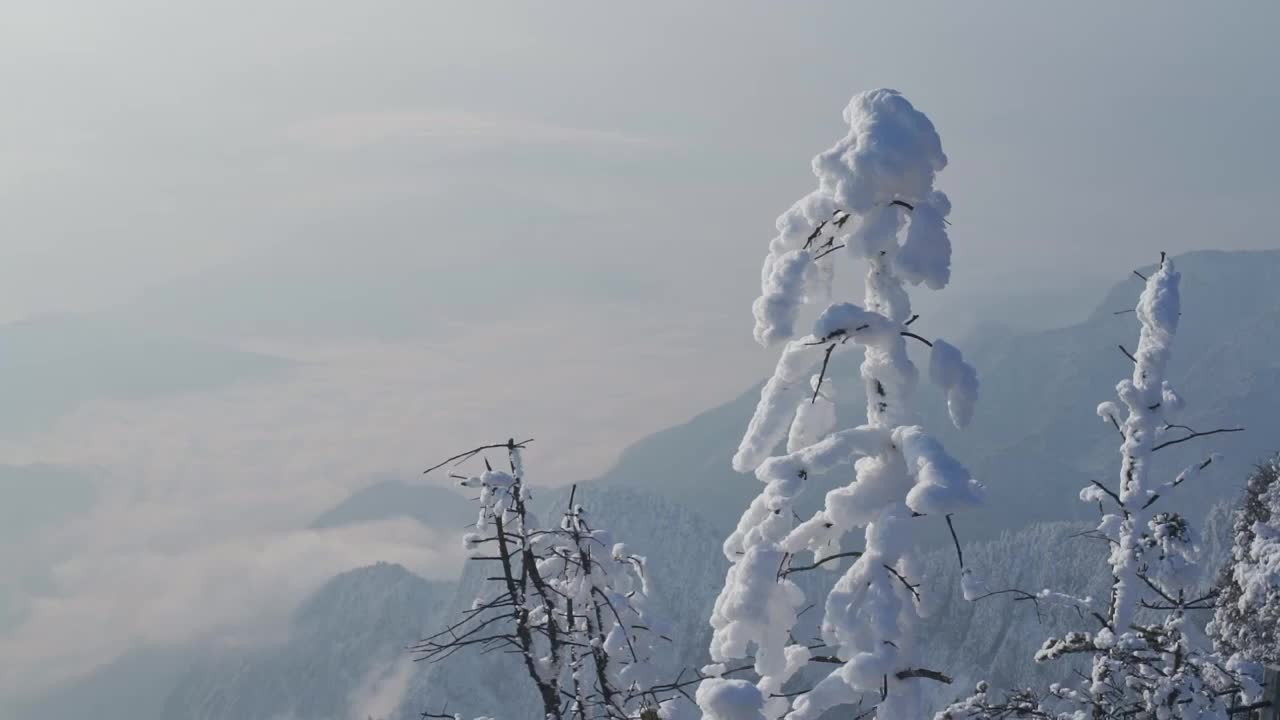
1150, 658
1247, 620
875, 203
568, 601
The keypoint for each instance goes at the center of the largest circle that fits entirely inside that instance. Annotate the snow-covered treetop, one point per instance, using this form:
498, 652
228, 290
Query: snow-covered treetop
873, 182
875, 203
884, 167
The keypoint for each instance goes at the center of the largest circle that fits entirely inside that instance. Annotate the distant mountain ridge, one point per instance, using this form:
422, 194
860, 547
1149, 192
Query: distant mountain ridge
356, 625
1035, 439
359, 622
431, 505
51, 365
672, 496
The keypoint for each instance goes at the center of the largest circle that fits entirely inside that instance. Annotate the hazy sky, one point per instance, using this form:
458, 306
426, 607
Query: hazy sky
145, 140
552, 214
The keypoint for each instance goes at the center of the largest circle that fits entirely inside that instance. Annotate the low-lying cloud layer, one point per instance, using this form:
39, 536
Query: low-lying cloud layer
198, 535
131, 589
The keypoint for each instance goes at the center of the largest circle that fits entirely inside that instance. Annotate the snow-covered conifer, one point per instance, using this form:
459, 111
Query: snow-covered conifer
875, 203
1150, 658
1247, 620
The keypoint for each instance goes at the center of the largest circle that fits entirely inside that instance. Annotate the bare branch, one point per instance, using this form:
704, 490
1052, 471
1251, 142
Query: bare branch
1108, 491
817, 387
923, 673
908, 585
827, 252
829, 558
1177, 481
907, 333
956, 540
462, 457
1195, 435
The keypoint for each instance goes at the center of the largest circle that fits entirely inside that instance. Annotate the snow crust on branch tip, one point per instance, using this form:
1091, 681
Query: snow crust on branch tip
781, 297
870, 183
814, 419
957, 378
778, 400
942, 484
729, 700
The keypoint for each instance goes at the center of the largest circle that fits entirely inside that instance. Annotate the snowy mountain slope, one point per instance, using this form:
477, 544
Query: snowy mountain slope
345, 643
1048, 385
1035, 439
433, 506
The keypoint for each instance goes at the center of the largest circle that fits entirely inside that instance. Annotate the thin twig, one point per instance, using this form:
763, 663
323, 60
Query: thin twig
825, 253
907, 333
1108, 491
923, 673
829, 558
460, 457
1194, 435
905, 582
956, 540
817, 387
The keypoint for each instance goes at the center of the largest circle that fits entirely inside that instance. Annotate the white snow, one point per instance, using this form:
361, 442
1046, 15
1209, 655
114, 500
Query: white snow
957, 378
777, 306
729, 700
873, 182
777, 405
1259, 573
942, 484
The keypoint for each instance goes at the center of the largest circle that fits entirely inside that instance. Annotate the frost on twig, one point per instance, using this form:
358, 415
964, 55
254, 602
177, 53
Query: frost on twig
568, 601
